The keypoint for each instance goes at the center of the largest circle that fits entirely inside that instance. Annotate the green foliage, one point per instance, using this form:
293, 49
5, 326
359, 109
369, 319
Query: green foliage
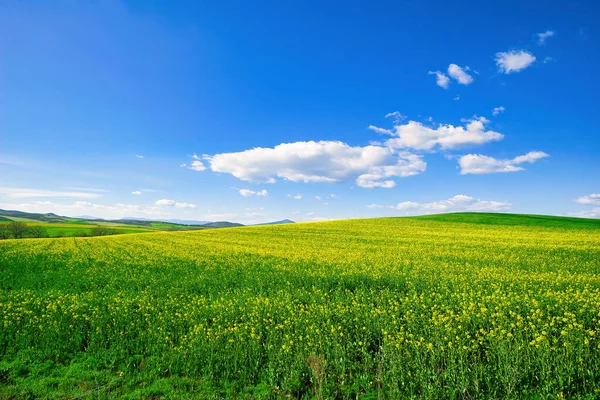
36, 231
384, 308
103, 231
17, 229
4, 231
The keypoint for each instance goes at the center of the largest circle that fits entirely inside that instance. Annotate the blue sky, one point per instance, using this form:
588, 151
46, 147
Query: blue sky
261, 111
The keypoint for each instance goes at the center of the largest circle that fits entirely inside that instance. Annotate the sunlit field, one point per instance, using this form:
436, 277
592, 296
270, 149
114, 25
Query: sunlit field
371, 308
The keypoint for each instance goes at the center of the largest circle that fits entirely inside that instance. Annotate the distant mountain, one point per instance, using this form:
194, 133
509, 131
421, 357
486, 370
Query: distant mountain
89, 217
48, 217
170, 224
283, 221
170, 221
222, 224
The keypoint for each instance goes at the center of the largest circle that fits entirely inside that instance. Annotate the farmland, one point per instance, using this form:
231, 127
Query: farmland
471, 306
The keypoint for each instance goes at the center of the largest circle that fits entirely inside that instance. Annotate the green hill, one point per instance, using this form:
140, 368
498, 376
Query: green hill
222, 224
546, 221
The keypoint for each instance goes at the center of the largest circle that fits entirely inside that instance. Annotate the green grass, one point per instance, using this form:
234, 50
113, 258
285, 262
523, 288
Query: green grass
546, 221
20, 219
382, 308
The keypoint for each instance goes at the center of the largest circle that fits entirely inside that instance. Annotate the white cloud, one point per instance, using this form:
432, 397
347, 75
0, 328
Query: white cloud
454, 204
542, 36
195, 165
441, 79
415, 135
248, 193
185, 205
497, 111
323, 161
295, 197
138, 156
136, 192
318, 197
396, 116
380, 130
480, 164
593, 213
334, 196
456, 98
165, 202
590, 199
22, 193
513, 61
460, 74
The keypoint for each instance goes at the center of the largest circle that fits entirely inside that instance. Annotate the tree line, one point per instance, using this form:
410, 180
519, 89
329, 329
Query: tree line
20, 230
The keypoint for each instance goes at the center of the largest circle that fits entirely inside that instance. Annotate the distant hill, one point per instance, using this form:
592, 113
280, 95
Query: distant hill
171, 221
157, 224
48, 217
88, 217
283, 221
546, 221
222, 224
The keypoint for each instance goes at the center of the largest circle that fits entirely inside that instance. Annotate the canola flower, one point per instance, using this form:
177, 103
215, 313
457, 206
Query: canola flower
392, 307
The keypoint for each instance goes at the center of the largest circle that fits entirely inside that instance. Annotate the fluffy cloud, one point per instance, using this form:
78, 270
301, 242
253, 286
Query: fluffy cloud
185, 205
590, 199
22, 193
165, 202
136, 192
513, 61
295, 197
323, 161
593, 213
195, 165
441, 79
171, 203
415, 135
542, 36
497, 111
248, 193
480, 164
460, 74
454, 204
334, 196
380, 130
396, 116
138, 156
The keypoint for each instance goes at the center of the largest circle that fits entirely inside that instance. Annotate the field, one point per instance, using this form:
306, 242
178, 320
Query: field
74, 229
471, 306
68, 227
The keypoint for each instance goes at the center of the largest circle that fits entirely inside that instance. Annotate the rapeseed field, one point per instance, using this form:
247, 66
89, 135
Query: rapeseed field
371, 309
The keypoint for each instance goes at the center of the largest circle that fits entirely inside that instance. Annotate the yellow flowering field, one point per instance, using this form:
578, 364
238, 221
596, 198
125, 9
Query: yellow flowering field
368, 308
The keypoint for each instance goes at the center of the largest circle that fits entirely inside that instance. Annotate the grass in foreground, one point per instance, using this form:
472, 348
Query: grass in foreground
389, 308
